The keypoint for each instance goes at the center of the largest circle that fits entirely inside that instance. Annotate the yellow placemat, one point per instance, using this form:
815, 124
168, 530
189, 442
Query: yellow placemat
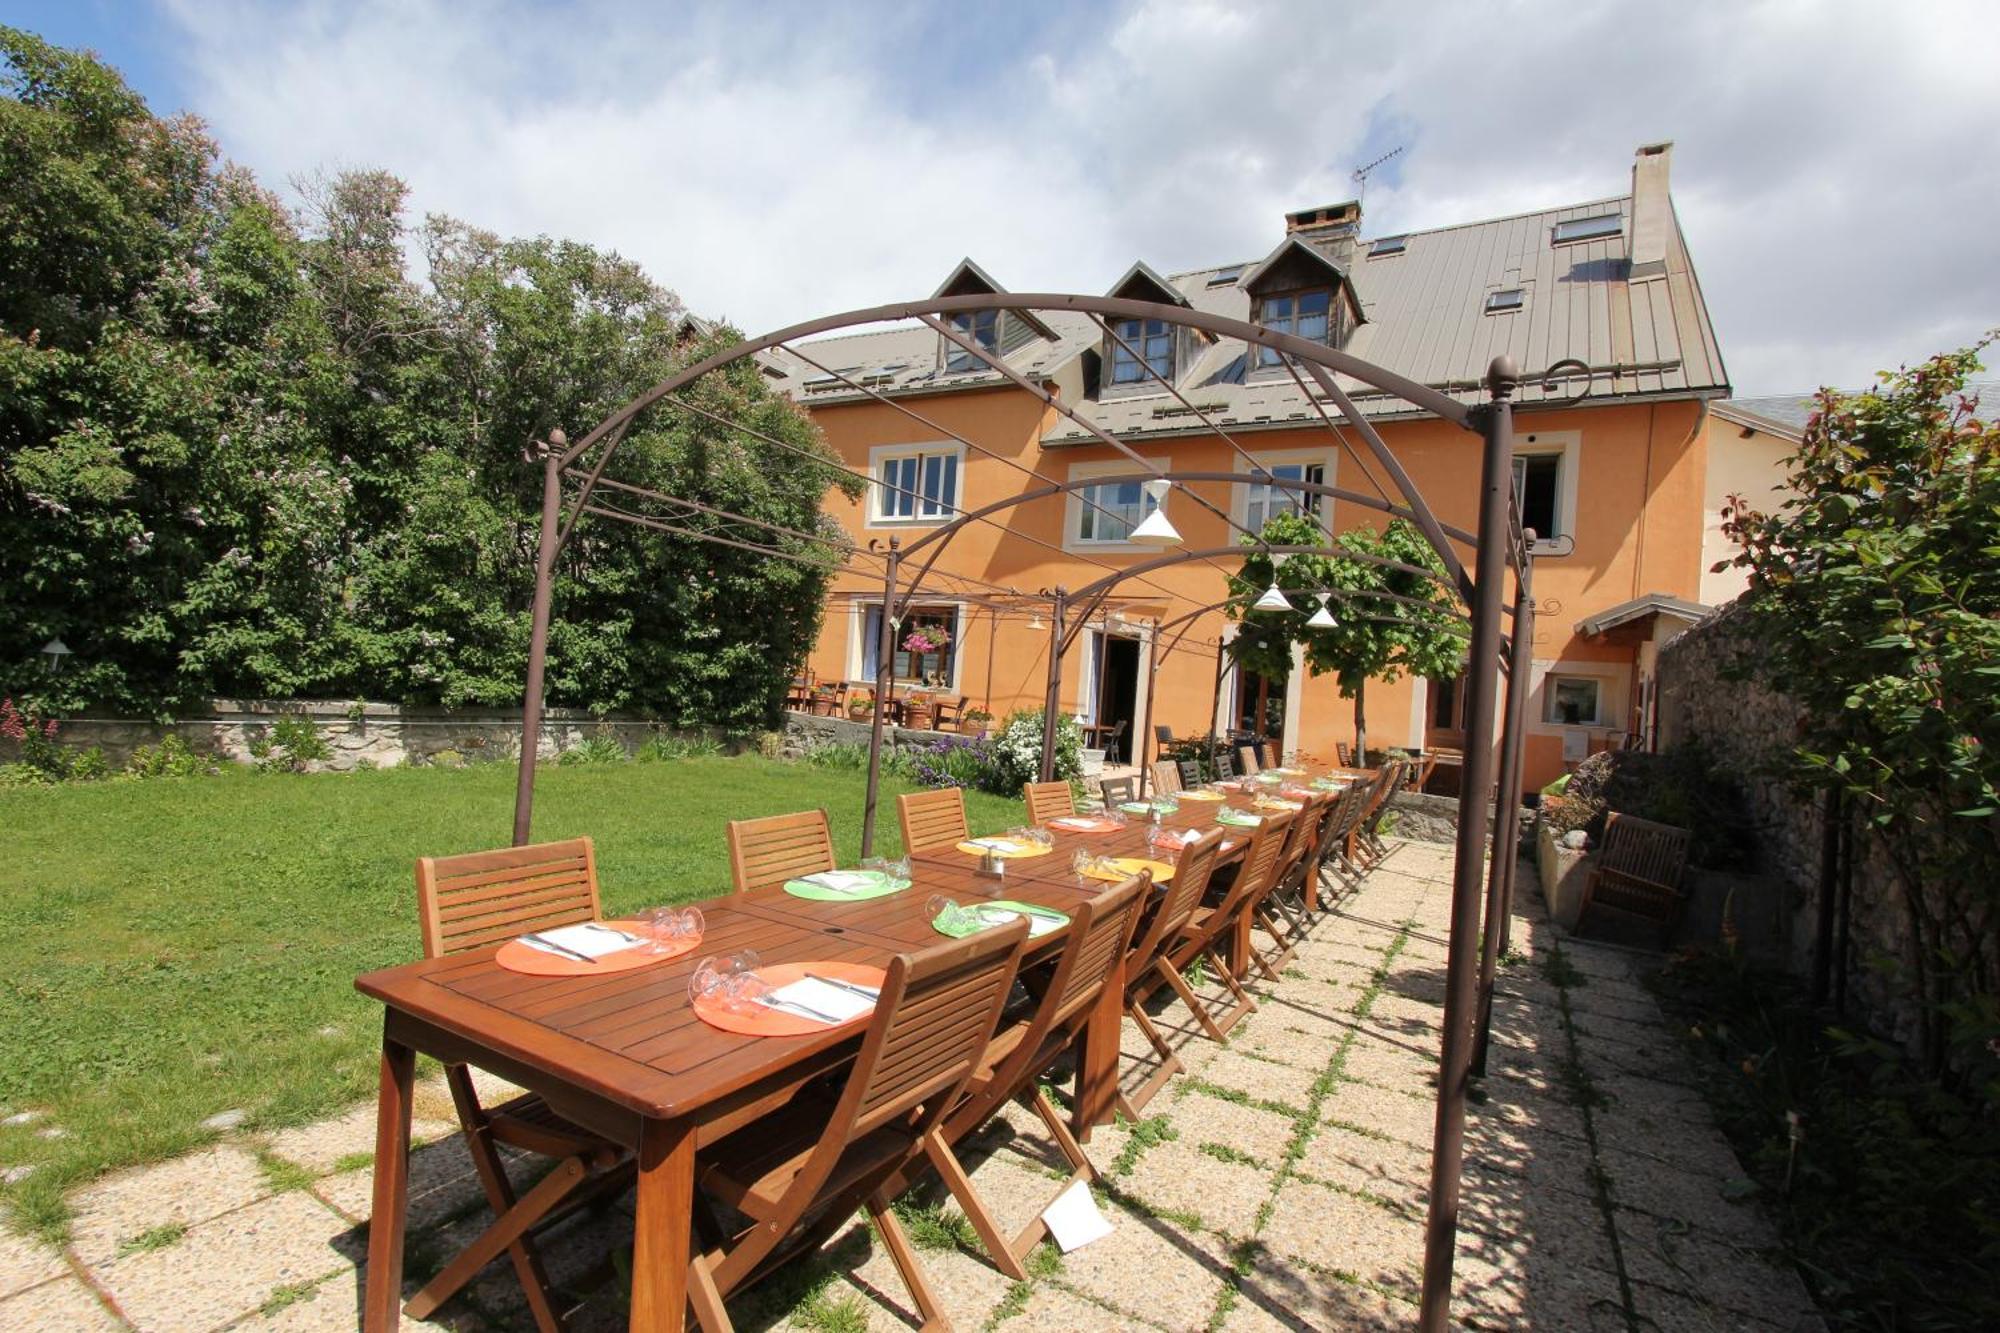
1005, 848
1198, 796
1124, 867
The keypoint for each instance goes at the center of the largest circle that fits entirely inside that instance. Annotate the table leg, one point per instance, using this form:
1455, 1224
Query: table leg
383, 1307
663, 1228
1097, 1059
1239, 946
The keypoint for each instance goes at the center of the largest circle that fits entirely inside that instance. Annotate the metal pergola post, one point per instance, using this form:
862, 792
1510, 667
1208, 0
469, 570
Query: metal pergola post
885, 674
1461, 969
538, 636
1507, 810
1052, 701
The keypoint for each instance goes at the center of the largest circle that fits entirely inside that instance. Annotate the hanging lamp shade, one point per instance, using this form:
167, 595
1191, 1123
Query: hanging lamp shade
1154, 529
1272, 600
1322, 618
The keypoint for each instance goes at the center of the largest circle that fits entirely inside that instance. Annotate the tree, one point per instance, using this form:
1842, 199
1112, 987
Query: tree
1375, 636
1874, 597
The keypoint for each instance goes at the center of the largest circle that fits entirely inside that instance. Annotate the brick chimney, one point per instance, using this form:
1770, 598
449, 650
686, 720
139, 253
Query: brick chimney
1329, 228
1652, 212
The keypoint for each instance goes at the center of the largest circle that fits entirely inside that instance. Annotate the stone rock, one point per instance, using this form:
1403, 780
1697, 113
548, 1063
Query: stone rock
226, 1120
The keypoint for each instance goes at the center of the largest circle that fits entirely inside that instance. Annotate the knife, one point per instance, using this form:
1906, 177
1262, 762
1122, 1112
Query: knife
863, 991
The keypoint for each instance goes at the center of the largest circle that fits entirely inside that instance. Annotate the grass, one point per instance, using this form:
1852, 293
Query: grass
179, 947
158, 1238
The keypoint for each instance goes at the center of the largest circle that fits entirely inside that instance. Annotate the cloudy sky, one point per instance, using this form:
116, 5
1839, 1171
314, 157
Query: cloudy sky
1835, 166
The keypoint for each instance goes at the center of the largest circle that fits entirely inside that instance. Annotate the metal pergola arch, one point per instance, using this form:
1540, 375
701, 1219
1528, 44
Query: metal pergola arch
1497, 544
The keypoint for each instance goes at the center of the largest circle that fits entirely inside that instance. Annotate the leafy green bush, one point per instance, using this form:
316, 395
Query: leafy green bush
666, 745
293, 745
1017, 750
171, 758
838, 754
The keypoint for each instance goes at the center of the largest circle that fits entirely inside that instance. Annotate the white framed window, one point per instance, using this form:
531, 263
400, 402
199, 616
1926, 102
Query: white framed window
940, 624
1253, 503
1101, 516
1307, 314
914, 483
1142, 352
1546, 466
1573, 701
978, 326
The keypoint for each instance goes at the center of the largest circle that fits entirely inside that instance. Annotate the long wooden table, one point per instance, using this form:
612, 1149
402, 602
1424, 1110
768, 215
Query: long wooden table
624, 1055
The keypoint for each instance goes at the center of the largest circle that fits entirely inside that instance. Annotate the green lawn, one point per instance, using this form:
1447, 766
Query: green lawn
180, 947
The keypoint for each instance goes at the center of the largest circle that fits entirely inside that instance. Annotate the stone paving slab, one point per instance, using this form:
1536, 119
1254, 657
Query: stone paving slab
64, 1304
26, 1262
182, 1192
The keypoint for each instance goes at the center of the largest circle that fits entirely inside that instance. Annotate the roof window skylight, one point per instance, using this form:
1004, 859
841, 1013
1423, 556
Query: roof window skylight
1388, 245
1589, 229
1509, 299
1222, 277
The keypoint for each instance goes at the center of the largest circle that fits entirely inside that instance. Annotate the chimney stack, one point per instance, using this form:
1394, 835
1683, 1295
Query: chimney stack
1652, 213
1330, 228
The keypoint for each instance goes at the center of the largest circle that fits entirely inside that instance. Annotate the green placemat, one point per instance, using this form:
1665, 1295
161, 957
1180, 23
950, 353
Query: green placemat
971, 918
867, 884
1237, 818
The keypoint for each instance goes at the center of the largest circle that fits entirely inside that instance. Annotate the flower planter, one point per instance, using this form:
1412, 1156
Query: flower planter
916, 716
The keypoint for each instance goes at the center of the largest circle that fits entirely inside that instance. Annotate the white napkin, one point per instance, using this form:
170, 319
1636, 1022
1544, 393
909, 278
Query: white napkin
835, 1002
1000, 916
996, 844
841, 881
587, 940
1074, 1220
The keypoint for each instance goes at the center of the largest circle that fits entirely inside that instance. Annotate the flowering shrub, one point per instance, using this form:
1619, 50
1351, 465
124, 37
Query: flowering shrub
43, 758
1018, 750
956, 761
926, 639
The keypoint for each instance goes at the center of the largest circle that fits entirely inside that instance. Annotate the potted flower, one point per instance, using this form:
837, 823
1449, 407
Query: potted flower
859, 706
975, 721
922, 641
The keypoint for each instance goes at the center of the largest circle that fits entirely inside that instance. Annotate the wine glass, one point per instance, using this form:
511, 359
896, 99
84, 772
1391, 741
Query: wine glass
1081, 864
729, 980
663, 924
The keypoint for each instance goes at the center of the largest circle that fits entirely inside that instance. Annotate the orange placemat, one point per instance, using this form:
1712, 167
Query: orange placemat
759, 1021
1128, 866
1085, 824
518, 957
1016, 851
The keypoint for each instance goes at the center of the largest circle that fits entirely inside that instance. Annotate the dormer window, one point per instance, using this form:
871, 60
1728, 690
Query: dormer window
1143, 351
977, 326
1306, 315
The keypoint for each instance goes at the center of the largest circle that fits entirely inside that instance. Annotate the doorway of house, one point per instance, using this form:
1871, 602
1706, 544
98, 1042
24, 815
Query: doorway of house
1260, 705
1117, 694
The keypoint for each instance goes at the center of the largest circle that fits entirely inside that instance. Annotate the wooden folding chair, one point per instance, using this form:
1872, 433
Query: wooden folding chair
1182, 894
476, 901
1190, 773
1638, 872
932, 819
1246, 759
764, 853
1202, 935
1100, 932
1343, 754
1048, 800
1393, 776
1119, 790
1166, 776
1225, 767
797, 1175
1286, 896
1334, 856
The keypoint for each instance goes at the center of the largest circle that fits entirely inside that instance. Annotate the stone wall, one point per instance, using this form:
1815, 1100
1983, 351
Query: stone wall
1749, 728
389, 735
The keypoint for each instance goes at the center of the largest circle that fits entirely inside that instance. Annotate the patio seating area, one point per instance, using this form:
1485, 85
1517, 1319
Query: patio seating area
1278, 1183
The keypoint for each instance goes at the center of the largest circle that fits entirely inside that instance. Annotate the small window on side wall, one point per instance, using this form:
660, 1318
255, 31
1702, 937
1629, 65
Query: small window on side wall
1573, 701
1538, 492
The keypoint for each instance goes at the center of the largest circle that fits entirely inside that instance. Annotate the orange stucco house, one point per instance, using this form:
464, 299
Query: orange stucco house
1619, 483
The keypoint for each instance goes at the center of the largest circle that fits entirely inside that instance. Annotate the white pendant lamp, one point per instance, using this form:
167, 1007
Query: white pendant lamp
1273, 599
1322, 618
1154, 529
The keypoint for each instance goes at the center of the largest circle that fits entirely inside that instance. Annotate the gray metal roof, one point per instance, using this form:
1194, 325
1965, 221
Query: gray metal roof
1786, 414
1653, 603
1425, 312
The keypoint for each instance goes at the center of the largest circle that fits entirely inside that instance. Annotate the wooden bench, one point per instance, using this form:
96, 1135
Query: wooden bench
1638, 872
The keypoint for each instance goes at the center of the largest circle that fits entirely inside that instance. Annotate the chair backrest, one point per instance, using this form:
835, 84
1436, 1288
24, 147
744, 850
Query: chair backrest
1300, 857
932, 818
485, 898
1118, 790
1344, 754
1166, 776
1164, 735
1048, 800
1190, 773
764, 853
1259, 872
1246, 759
1100, 933
937, 1012
1643, 850
1181, 895
1346, 814
1224, 767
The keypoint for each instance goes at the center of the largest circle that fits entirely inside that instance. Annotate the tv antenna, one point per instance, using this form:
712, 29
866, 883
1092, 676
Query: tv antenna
1361, 173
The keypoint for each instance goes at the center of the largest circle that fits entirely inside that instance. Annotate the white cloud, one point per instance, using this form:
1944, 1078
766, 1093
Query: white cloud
1833, 163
